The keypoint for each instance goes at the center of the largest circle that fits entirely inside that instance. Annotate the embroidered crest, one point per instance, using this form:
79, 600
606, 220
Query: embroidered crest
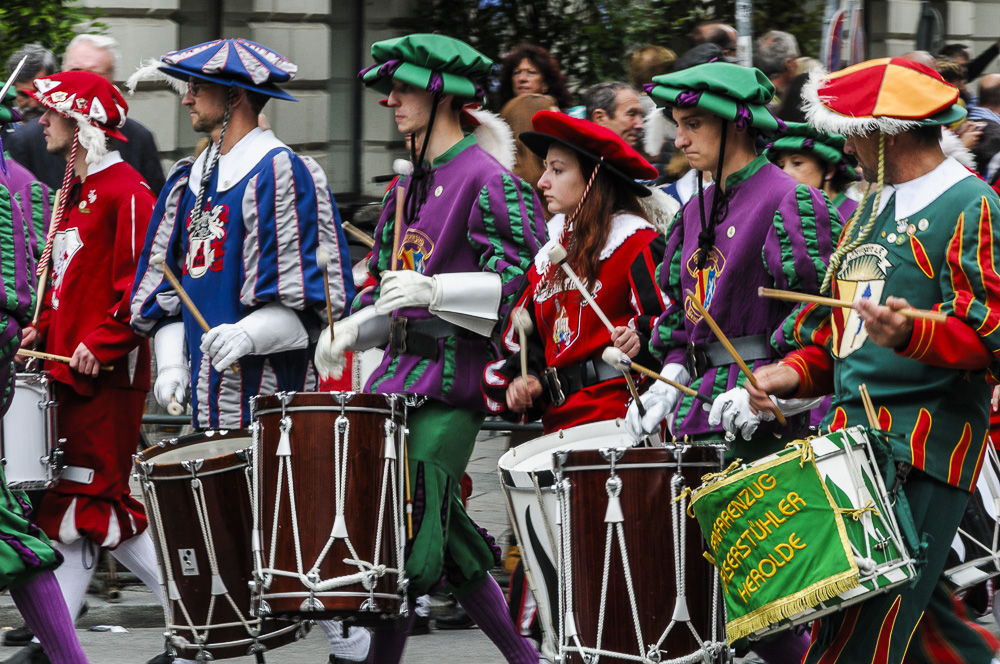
206, 236
65, 245
861, 274
705, 280
563, 333
414, 251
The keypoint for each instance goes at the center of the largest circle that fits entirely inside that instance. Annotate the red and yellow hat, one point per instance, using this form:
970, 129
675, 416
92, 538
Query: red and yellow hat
593, 143
890, 95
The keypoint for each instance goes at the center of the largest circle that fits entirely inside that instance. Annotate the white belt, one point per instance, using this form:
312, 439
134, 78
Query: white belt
77, 474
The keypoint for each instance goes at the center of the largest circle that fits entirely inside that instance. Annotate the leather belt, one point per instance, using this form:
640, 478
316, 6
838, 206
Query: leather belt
419, 336
565, 381
703, 357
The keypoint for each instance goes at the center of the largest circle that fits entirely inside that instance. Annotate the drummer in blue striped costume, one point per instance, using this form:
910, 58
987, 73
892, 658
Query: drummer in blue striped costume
241, 228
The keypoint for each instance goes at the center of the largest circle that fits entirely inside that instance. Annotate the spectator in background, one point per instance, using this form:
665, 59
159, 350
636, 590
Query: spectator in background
923, 57
529, 69
775, 54
517, 113
616, 106
722, 35
40, 62
657, 132
98, 54
987, 113
954, 73
973, 68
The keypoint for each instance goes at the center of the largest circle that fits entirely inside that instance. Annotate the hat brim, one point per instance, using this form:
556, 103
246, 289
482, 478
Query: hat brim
420, 78
948, 116
760, 117
41, 99
539, 143
267, 89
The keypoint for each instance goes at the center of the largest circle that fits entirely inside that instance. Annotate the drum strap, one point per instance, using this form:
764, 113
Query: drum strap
916, 542
420, 336
703, 357
575, 377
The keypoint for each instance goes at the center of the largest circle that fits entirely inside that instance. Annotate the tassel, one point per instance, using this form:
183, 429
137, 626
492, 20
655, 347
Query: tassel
284, 442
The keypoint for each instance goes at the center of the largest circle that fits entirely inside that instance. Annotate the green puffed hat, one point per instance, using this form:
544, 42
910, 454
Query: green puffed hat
7, 112
734, 93
800, 137
429, 62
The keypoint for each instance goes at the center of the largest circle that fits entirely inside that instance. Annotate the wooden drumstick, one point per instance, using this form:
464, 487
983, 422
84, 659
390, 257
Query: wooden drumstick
53, 358
174, 408
358, 234
396, 227
522, 322
43, 278
729, 347
557, 254
323, 260
792, 296
866, 400
619, 360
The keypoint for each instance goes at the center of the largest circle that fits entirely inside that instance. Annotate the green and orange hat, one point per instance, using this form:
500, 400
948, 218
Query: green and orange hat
435, 63
734, 93
890, 95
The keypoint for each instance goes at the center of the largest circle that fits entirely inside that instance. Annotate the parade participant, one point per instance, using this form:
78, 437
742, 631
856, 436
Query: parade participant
27, 558
27, 192
816, 159
448, 259
590, 181
924, 237
240, 226
93, 245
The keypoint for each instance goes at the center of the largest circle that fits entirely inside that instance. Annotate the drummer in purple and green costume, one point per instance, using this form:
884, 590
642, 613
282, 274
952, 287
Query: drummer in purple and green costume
927, 237
470, 229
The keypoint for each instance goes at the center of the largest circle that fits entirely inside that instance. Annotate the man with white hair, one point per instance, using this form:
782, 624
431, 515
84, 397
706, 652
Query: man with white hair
101, 55
775, 54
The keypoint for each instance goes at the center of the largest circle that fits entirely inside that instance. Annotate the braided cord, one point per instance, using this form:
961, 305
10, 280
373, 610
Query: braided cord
57, 219
206, 176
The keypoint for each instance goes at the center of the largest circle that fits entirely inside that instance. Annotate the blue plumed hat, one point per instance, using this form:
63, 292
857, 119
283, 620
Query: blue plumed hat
230, 62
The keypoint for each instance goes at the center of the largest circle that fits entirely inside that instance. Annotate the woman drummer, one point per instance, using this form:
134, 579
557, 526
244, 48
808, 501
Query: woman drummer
816, 159
589, 183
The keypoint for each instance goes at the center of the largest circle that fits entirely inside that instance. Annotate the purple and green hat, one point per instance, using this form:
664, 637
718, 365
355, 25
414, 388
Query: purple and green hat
230, 62
828, 147
435, 63
734, 93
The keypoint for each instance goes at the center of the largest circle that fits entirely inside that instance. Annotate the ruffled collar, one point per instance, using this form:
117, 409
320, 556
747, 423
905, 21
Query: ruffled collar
623, 226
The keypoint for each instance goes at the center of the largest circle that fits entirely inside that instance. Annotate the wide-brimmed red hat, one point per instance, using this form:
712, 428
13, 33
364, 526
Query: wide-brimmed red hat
592, 142
95, 103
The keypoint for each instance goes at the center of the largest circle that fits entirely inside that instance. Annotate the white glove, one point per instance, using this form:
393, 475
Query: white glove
659, 402
732, 410
273, 328
172, 373
404, 288
361, 331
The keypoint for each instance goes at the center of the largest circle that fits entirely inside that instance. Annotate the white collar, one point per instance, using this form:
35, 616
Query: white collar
110, 159
623, 226
916, 194
238, 162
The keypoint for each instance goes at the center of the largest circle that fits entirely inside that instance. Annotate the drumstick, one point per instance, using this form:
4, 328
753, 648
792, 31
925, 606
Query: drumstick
869, 406
174, 408
44, 276
619, 360
323, 259
49, 356
729, 347
358, 234
792, 296
557, 254
400, 200
522, 321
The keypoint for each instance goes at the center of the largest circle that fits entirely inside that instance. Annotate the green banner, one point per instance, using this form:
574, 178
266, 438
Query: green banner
777, 540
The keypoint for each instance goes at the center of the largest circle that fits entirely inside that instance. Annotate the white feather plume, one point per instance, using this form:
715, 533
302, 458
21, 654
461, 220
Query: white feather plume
494, 136
656, 131
953, 146
660, 207
150, 71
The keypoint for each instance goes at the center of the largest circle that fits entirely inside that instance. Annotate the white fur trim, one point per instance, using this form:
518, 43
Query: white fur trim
953, 147
660, 207
623, 226
823, 119
150, 71
494, 135
656, 131
94, 140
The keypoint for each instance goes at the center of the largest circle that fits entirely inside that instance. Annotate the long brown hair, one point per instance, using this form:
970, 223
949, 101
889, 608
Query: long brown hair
592, 223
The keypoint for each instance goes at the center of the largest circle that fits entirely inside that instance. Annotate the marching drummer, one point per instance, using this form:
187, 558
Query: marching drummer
451, 247
89, 261
590, 184
925, 237
240, 227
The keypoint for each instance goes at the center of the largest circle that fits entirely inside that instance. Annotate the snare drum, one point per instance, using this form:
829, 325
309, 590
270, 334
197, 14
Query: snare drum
841, 526
32, 456
616, 569
329, 505
197, 495
976, 548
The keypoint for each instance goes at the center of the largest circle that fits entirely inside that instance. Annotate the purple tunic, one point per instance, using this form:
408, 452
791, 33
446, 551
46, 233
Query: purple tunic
477, 216
34, 199
776, 234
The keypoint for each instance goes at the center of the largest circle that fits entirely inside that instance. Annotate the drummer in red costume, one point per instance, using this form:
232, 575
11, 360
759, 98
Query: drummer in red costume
94, 242
590, 183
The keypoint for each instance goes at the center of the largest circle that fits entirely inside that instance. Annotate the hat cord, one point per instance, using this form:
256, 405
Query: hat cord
206, 176
566, 238
838, 255
43, 261
720, 205
417, 191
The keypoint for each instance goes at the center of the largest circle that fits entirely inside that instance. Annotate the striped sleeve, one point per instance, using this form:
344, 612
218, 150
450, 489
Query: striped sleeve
154, 301
17, 283
669, 334
507, 229
288, 212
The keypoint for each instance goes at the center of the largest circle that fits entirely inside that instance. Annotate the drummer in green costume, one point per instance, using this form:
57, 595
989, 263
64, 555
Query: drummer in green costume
925, 237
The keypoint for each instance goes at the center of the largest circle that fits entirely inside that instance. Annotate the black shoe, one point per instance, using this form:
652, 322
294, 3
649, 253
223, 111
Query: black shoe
339, 660
30, 654
457, 619
421, 625
162, 658
19, 636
